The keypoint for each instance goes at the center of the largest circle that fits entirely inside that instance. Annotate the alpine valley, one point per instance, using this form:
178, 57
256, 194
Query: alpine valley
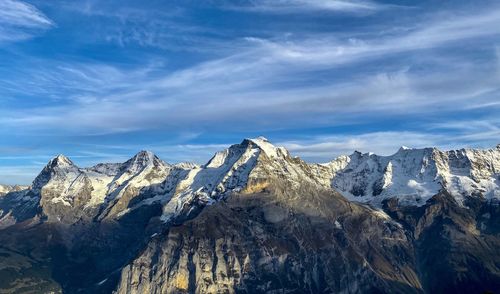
255, 219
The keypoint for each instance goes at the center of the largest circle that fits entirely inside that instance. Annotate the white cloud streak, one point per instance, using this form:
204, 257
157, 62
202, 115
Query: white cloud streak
18, 13
20, 20
213, 96
301, 6
269, 82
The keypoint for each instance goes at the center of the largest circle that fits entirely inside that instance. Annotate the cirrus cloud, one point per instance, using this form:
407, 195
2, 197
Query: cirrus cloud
20, 20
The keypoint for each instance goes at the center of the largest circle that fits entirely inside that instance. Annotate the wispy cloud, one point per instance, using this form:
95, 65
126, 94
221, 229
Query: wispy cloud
294, 6
432, 33
127, 23
269, 81
20, 20
22, 14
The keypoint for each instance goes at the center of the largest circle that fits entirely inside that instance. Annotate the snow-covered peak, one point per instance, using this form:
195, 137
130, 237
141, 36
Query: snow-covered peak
268, 148
59, 169
144, 156
248, 167
57, 166
228, 170
415, 175
258, 146
142, 160
260, 139
60, 161
265, 145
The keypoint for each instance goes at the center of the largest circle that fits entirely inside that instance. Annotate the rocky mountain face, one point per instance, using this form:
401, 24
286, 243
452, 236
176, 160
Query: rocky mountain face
254, 219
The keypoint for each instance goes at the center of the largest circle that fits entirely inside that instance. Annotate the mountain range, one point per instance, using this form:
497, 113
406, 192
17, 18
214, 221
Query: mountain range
255, 219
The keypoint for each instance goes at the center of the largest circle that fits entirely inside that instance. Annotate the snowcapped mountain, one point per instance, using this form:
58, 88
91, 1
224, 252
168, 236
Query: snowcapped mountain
254, 218
248, 167
69, 194
415, 175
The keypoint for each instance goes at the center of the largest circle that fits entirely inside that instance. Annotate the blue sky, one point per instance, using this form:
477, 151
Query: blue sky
99, 80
